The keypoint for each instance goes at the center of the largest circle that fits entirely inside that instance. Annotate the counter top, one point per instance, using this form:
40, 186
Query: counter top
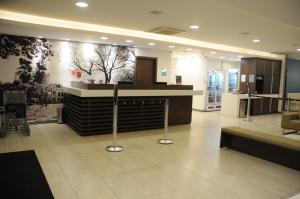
130, 92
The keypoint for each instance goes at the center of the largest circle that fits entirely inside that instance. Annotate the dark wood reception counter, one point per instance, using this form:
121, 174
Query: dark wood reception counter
88, 108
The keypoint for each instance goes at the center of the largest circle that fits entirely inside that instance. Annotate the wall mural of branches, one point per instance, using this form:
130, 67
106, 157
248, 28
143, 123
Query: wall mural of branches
108, 59
31, 57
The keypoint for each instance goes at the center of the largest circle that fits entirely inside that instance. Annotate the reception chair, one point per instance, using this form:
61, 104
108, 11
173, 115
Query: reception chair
290, 121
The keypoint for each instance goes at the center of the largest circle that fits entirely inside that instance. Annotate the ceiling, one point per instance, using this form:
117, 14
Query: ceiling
275, 22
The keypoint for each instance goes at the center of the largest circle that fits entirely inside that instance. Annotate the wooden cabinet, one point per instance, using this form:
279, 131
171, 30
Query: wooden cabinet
266, 72
256, 106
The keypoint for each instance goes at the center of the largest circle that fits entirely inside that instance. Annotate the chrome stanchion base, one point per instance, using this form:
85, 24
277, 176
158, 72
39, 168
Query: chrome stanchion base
164, 141
114, 148
247, 120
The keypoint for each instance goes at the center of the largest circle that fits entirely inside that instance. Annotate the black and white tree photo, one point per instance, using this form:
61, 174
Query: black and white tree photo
33, 55
110, 58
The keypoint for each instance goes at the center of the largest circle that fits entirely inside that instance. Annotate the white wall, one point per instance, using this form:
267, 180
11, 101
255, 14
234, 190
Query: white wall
163, 60
193, 68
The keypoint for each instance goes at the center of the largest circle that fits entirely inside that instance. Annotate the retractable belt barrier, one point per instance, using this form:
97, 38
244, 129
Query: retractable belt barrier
165, 139
114, 147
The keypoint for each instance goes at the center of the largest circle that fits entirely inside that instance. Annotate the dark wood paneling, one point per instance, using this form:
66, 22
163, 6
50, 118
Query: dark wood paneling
277, 68
260, 67
179, 107
267, 84
274, 105
89, 116
83, 85
268, 67
256, 107
266, 106
145, 70
276, 85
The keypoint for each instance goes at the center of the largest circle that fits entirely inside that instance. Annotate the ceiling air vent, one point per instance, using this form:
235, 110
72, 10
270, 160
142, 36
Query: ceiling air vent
164, 30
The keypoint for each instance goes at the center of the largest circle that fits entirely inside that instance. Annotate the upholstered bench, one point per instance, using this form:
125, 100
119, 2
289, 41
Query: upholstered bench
278, 149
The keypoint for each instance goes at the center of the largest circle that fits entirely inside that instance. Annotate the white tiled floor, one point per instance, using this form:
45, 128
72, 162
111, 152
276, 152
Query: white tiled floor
193, 167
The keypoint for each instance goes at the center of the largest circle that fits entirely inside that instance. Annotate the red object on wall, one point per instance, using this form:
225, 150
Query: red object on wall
73, 72
78, 74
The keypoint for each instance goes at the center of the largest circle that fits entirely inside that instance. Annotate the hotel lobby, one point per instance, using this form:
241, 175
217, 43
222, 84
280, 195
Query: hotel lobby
150, 99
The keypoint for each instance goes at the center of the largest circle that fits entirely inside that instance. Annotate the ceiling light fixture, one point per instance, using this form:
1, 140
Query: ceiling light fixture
171, 46
194, 27
240, 56
67, 39
104, 38
114, 44
189, 49
151, 44
134, 46
212, 52
298, 49
129, 41
256, 40
81, 4
222, 57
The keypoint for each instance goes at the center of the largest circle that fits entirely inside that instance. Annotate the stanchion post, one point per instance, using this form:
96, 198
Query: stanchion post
248, 104
114, 147
165, 140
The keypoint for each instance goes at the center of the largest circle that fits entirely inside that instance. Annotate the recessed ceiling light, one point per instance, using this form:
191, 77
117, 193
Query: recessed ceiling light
212, 52
244, 33
104, 38
151, 44
194, 26
171, 46
82, 4
240, 56
256, 40
222, 57
156, 12
129, 41
298, 49
189, 49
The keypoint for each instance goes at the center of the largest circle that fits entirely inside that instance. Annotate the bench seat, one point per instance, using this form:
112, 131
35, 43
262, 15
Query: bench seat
278, 149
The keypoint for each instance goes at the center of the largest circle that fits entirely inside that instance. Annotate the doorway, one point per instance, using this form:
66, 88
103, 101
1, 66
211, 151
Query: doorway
145, 70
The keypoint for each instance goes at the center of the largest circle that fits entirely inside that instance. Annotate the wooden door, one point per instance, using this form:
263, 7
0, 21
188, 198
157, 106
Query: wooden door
145, 70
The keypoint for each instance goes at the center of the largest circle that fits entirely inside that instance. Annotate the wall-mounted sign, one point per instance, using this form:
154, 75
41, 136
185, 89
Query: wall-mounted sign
164, 72
178, 80
251, 78
243, 78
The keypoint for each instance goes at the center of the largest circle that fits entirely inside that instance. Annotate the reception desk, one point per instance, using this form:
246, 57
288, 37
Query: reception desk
88, 108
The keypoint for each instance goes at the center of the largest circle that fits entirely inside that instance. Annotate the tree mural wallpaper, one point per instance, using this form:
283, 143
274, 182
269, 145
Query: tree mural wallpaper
34, 59
108, 59
30, 51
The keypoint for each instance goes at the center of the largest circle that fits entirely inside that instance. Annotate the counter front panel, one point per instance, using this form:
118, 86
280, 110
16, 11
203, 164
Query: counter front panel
93, 115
